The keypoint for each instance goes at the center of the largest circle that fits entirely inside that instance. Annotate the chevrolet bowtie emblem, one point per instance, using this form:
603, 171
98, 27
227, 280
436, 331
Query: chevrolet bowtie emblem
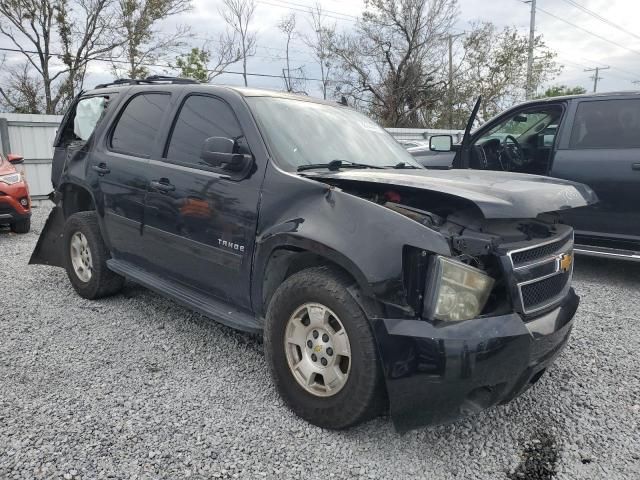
565, 262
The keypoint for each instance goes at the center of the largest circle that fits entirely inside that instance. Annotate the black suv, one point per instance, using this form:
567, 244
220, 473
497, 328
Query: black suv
378, 285
592, 139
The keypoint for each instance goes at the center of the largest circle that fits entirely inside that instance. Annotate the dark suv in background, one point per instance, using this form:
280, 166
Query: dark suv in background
376, 283
592, 139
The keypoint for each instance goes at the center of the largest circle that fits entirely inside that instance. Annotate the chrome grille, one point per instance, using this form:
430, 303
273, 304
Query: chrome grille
525, 256
542, 292
543, 273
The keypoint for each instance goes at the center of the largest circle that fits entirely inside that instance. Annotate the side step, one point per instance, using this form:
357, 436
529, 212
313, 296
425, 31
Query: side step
604, 252
214, 309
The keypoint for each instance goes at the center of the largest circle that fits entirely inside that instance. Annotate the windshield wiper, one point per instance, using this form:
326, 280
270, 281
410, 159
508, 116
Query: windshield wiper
335, 165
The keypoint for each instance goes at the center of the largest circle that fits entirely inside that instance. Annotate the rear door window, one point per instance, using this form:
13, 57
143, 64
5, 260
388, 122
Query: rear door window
606, 124
136, 129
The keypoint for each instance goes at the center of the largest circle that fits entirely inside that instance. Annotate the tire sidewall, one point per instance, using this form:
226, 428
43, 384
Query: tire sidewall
72, 226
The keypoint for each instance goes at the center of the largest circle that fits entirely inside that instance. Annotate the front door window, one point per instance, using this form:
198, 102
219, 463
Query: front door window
522, 142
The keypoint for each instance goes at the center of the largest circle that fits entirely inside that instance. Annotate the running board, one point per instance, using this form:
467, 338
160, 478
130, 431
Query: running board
605, 252
211, 308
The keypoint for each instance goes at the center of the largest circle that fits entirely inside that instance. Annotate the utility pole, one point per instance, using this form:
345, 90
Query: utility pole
596, 76
532, 31
450, 41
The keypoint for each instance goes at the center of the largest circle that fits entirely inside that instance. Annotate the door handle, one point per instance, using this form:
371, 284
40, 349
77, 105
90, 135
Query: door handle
162, 185
101, 168
635, 166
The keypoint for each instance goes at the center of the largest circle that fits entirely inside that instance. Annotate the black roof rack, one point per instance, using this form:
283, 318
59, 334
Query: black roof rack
148, 80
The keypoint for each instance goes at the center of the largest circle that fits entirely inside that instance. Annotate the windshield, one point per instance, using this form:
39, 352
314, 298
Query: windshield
304, 133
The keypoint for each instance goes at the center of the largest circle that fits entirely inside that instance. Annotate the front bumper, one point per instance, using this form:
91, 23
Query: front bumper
435, 374
10, 208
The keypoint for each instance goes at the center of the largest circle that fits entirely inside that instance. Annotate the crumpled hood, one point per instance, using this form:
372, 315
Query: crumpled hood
496, 194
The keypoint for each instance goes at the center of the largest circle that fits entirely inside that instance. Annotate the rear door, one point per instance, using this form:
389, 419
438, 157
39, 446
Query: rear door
602, 150
200, 221
121, 167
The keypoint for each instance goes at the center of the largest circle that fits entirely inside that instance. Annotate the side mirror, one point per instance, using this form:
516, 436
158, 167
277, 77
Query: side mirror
440, 143
15, 158
218, 152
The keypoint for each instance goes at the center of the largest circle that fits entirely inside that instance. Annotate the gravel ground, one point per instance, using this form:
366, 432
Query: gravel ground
135, 386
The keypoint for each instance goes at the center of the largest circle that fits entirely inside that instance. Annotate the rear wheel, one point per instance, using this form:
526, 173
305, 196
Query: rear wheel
321, 350
86, 258
21, 226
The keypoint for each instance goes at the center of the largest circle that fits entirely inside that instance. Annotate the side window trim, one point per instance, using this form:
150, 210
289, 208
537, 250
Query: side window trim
174, 121
114, 124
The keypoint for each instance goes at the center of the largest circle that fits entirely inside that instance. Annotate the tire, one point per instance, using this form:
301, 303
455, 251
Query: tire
21, 226
92, 279
362, 396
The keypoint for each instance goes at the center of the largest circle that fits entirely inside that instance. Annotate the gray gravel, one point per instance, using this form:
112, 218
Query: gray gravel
135, 386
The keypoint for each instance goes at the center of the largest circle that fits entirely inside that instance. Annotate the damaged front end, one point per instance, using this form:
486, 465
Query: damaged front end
468, 349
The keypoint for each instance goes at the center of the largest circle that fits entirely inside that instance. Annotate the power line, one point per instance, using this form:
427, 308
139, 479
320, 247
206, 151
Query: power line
587, 31
111, 60
307, 9
601, 18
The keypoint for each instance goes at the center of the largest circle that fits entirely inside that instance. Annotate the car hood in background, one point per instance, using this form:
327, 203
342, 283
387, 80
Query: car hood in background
496, 194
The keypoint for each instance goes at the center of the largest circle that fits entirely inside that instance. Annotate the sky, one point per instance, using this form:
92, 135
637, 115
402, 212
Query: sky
590, 43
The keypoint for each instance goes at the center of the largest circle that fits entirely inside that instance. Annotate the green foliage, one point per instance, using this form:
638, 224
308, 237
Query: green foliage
561, 90
194, 64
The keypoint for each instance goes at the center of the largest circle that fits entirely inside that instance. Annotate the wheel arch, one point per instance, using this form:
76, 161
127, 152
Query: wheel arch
278, 261
76, 198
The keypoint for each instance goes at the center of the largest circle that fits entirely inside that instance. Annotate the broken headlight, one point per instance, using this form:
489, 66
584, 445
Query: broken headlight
455, 290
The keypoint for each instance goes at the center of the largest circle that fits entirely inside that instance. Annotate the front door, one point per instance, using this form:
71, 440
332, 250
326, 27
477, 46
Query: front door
603, 151
200, 220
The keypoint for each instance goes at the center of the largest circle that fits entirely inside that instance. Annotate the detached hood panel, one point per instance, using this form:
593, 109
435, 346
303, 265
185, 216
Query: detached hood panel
496, 194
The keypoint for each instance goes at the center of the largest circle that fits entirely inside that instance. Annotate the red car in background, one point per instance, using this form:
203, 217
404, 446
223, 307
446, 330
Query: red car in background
15, 204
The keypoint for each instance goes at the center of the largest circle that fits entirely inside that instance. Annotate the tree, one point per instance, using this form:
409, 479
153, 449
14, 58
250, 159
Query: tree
144, 43
57, 39
494, 65
389, 65
560, 90
238, 15
206, 63
293, 83
320, 42
22, 93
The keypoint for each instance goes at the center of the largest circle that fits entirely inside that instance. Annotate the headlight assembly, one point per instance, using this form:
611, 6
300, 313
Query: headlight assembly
455, 291
11, 178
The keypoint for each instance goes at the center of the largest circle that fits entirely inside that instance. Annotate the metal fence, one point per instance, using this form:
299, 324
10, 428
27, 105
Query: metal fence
423, 134
32, 137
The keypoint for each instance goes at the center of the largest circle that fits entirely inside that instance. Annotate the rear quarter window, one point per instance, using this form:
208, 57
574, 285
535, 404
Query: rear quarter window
606, 124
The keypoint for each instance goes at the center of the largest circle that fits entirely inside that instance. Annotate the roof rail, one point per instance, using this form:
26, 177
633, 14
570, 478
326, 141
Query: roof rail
148, 80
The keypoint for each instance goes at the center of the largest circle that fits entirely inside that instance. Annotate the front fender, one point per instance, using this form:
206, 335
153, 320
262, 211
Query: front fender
364, 238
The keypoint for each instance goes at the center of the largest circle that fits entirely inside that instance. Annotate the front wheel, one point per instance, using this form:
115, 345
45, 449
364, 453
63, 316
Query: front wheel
86, 258
321, 350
